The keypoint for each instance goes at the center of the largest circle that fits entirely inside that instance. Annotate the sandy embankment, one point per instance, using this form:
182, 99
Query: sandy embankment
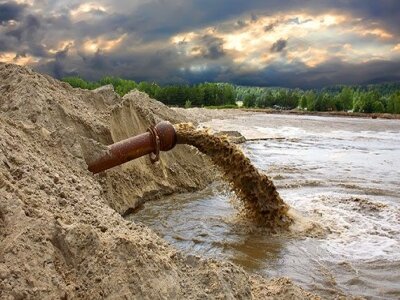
61, 230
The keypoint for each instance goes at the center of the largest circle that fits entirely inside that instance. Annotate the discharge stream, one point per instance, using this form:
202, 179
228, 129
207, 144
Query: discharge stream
262, 201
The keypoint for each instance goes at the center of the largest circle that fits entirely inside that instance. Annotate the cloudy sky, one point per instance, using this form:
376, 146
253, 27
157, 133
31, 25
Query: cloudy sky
309, 43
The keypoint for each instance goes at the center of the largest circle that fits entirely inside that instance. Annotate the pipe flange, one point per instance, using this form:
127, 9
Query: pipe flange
154, 156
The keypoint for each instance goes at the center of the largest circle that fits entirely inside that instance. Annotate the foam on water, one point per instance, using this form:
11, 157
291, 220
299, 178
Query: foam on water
354, 163
342, 173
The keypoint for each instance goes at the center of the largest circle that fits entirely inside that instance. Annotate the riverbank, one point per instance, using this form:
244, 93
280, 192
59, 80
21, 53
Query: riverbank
206, 114
326, 113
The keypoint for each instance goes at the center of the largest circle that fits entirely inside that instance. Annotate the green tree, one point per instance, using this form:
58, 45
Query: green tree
78, 82
371, 98
393, 105
345, 99
378, 107
188, 104
249, 101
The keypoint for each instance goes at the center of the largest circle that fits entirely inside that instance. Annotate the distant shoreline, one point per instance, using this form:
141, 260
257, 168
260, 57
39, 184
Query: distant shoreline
326, 113
205, 114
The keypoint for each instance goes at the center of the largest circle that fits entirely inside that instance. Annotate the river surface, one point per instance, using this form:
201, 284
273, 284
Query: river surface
343, 173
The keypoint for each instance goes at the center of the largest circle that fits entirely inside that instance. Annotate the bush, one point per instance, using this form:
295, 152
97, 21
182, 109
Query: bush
188, 104
249, 101
378, 107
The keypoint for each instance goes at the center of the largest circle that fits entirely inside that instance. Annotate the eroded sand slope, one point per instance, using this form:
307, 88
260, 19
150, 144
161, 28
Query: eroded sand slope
61, 231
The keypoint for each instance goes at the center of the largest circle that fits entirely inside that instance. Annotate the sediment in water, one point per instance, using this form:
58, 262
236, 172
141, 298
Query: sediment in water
261, 200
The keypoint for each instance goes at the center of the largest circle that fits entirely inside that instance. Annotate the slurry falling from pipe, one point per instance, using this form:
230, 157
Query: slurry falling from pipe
261, 200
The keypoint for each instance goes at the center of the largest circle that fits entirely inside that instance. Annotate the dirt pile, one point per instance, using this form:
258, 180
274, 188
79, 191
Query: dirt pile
260, 197
61, 231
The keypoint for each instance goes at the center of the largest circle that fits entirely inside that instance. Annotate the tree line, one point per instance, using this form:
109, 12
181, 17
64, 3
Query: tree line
203, 94
381, 98
374, 99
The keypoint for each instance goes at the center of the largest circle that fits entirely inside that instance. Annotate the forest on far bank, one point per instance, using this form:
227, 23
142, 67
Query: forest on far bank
379, 98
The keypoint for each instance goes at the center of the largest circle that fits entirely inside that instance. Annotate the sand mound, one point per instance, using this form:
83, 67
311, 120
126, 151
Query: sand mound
261, 200
61, 230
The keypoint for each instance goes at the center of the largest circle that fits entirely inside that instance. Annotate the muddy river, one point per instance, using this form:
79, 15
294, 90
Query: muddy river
342, 173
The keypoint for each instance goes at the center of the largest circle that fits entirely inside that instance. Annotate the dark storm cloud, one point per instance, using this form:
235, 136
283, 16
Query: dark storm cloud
155, 20
46, 24
26, 37
26, 29
279, 45
330, 73
213, 47
61, 21
57, 66
32, 31
99, 61
162, 20
10, 11
159, 65
269, 27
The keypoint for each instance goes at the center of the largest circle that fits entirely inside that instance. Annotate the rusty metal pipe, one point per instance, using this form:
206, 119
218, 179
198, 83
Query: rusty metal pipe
161, 137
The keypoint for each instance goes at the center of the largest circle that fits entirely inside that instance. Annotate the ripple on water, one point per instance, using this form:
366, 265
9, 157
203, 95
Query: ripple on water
343, 174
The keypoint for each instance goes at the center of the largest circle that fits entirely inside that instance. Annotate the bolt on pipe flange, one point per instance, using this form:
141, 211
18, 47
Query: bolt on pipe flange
154, 156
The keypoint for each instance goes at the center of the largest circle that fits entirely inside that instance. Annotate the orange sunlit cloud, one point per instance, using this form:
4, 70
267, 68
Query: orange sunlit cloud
80, 11
12, 57
62, 45
94, 45
375, 32
28, 2
396, 48
309, 38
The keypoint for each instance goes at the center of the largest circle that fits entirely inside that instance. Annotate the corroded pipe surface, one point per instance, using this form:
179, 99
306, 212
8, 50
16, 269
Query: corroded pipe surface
162, 137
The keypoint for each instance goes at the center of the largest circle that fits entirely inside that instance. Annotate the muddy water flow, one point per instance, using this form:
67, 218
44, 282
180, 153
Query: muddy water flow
261, 200
342, 173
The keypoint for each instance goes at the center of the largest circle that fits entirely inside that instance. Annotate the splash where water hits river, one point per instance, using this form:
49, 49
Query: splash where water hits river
339, 172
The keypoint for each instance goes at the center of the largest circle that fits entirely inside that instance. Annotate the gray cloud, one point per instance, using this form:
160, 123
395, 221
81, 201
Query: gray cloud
167, 62
279, 45
269, 27
329, 73
10, 11
27, 37
26, 29
213, 47
146, 54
